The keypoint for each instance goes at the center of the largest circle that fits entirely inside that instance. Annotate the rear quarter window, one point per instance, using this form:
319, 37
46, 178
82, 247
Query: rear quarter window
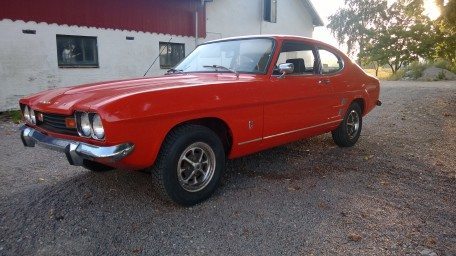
330, 62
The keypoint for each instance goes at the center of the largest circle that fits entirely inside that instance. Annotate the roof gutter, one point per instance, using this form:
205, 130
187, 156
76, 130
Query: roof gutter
316, 19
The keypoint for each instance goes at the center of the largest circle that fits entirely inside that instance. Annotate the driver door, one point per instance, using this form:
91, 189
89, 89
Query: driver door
298, 101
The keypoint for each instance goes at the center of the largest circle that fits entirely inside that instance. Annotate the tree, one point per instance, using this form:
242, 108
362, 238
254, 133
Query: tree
405, 36
394, 35
445, 47
448, 12
351, 23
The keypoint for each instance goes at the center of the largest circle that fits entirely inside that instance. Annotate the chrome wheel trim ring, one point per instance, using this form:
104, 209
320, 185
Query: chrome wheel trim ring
196, 167
352, 124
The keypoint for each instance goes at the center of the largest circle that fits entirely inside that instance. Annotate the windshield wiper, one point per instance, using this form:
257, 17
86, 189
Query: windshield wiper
222, 67
174, 71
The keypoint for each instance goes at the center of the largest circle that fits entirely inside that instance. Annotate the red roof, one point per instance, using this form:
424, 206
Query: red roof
176, 17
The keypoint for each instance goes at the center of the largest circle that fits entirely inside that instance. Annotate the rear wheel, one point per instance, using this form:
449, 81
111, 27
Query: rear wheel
348, 132
190, 165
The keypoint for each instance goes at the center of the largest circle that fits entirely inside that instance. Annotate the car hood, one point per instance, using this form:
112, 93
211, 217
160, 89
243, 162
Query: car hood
90, 96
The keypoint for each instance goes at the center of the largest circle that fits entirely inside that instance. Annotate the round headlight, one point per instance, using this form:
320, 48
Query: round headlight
97, 127
86, 130
32, 116
27, 114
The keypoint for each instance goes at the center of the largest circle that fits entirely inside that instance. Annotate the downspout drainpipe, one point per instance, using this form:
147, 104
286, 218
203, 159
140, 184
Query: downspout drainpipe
196, 26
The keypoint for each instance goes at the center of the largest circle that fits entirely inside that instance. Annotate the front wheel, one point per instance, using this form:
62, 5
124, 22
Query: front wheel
190, 165
348, 132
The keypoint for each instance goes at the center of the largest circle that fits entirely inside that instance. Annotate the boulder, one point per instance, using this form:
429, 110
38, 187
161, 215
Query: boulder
434, 73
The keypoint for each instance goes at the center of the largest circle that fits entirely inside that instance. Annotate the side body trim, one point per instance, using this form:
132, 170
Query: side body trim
286, 133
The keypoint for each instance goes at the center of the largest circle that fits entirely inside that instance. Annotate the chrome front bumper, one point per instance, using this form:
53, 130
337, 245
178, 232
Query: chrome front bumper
75, 151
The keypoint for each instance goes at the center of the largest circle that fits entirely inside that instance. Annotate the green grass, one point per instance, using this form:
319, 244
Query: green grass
383, 73
14, 116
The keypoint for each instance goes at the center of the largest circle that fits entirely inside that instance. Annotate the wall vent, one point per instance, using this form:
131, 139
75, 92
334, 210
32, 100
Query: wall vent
29, 31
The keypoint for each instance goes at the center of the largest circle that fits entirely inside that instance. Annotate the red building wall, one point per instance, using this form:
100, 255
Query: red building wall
176, 17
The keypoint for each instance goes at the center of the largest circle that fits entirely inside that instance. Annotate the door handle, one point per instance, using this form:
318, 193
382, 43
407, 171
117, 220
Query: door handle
324, 81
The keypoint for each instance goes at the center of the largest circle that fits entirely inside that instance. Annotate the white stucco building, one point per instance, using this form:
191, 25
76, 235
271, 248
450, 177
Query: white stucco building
228, 18
49, 45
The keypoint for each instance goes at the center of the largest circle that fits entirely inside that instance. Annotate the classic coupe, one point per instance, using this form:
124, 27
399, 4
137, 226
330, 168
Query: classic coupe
227, 99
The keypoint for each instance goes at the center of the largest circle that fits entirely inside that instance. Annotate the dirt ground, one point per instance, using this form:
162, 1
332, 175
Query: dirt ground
394, 193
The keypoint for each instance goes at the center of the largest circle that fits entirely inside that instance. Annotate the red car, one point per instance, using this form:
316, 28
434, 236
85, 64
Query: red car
227, 99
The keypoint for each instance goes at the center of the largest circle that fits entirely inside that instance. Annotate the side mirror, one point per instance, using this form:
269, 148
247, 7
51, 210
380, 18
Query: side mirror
285, 69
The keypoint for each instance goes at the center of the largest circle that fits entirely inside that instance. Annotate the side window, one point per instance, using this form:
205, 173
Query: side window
171, 54
330, 63
77, 51
301, 55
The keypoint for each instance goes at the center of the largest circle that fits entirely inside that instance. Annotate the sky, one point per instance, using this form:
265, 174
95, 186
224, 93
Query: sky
327, 7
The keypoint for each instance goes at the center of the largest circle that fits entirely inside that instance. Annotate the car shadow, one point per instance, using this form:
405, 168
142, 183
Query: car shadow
118, 189
307, 160
298, 160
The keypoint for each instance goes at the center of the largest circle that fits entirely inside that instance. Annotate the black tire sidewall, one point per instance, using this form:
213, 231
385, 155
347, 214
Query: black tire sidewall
171, 159
352, 141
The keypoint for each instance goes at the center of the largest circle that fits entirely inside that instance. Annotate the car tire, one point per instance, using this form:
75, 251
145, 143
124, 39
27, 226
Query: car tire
348, 132
96, 167
190, 165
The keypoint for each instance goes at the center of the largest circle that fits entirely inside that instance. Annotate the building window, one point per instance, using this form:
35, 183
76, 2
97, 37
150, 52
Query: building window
171, 54
270, 10
77, 51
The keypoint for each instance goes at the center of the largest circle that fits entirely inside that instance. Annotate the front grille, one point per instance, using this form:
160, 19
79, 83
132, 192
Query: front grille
56, 123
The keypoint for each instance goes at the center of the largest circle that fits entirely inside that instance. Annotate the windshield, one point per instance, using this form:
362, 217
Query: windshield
241, 56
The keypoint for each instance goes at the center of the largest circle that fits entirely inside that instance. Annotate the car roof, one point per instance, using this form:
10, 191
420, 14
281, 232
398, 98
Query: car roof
280, 37
265, 36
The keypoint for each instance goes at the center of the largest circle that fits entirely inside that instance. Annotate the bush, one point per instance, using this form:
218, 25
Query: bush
415, 69
398, 76
441, 76
445, 65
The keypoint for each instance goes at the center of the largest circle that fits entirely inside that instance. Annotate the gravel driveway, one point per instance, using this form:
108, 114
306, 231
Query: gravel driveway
393, 193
